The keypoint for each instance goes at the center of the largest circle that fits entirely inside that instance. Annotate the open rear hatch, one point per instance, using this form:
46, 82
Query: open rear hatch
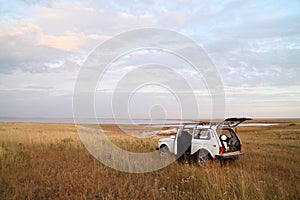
231, 144
232, 122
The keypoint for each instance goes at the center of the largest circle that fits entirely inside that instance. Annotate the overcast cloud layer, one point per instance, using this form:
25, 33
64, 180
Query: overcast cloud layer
255, 45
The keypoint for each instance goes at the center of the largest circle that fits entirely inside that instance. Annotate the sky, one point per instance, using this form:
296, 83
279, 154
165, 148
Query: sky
254, 45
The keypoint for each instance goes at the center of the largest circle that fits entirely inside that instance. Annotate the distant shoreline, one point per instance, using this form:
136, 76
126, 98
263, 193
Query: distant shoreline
133, 121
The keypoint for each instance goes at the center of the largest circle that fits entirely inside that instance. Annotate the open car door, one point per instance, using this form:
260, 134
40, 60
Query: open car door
232, 122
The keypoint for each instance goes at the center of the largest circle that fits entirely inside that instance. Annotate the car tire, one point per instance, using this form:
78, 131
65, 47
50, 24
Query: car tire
202, 158
164, 151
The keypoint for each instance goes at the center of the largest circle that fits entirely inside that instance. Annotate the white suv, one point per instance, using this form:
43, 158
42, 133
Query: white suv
205, 141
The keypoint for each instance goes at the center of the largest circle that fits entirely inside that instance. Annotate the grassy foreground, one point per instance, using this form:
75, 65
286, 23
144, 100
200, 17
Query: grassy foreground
48, 161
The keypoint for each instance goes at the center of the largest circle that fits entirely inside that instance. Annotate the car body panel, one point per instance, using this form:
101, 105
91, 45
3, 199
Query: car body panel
169, 142
209, 144
230, 154
205, 136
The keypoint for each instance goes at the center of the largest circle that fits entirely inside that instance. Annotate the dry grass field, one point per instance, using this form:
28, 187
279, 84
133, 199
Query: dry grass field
48, 161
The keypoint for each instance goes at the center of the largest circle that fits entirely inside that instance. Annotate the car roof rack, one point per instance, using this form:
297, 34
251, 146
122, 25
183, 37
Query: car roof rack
229, 122
202, 124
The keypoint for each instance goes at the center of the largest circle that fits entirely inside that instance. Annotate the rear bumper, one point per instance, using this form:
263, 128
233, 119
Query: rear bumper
230, 155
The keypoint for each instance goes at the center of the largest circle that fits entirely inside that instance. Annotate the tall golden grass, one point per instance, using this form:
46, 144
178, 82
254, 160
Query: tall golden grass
48, 161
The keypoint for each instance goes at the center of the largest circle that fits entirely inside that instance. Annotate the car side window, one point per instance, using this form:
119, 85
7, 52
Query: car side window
188, 130
202, 134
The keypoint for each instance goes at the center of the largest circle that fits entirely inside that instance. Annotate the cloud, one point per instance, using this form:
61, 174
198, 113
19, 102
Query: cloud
172, 18
34, 103
17, 29
18, 48
90, 18
263, 101
258, 60
265, 27
71, 42
152, 66
25, 46
38, 87
98, 37
52, 83
58, 31
254, 44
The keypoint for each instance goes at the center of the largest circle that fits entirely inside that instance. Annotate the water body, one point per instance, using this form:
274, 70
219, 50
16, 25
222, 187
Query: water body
259, 124
159, 122
92, 120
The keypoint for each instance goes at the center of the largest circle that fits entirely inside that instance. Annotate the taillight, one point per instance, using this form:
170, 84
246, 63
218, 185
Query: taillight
222, 150
240, 147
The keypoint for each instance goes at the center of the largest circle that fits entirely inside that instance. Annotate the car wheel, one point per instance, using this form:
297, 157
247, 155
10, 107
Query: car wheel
203, 158
164, 151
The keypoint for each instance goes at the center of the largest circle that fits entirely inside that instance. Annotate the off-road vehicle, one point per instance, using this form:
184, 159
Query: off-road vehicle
204, 141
